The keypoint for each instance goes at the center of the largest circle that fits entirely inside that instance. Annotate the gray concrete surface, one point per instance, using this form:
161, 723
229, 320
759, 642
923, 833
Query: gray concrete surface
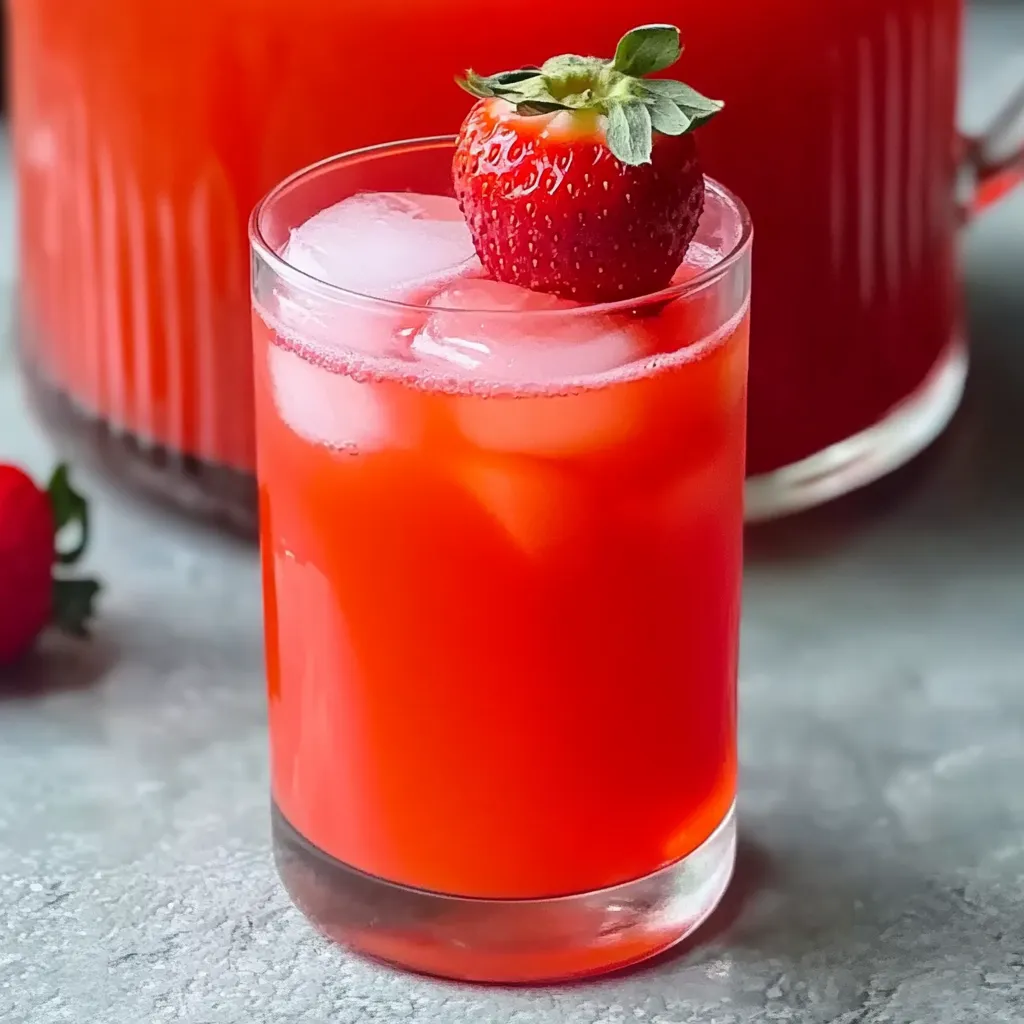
882, 872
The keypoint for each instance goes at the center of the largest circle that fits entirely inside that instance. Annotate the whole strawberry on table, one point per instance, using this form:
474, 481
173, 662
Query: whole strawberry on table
610, 152
35, 591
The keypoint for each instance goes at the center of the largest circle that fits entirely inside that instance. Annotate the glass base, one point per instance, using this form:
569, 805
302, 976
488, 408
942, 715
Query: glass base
509, 941
866, 457
203, 490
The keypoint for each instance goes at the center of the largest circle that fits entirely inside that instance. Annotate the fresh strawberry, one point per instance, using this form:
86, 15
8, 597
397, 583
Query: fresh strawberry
30, 596
581, 177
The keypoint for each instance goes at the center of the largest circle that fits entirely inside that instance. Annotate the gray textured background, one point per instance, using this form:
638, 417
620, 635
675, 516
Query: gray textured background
881, 877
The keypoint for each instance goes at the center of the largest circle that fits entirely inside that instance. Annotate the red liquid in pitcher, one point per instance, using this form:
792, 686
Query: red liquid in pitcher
144, 133
852, 192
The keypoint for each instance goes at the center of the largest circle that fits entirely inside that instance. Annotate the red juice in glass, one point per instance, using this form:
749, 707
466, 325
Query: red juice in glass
501, 542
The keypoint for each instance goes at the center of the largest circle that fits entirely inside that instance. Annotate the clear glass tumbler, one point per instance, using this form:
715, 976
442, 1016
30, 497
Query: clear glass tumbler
501, 548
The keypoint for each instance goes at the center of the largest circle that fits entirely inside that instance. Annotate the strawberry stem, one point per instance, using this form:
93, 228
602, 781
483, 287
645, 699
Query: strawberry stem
635, 106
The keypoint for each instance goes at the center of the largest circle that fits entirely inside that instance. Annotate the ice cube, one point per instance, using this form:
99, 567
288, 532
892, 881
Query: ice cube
496, 296
345, 327
475, 332
535, 503
384, 244
331, 408
698, 256
589, 422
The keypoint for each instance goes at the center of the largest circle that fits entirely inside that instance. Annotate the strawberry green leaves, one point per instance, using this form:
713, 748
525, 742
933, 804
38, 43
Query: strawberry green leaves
629, 134
73, 598
69, 508
672, 108
635, 106
526, 88
666, 117
647, 49
74, 605
510, 84
691, 104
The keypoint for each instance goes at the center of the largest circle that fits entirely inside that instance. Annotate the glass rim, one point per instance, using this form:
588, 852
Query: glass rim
262, 248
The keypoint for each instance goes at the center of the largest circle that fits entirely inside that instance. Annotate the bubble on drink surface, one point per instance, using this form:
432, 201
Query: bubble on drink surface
383, 244
331, 408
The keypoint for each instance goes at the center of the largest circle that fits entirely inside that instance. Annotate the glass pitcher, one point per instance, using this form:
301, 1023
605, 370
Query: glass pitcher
144, 134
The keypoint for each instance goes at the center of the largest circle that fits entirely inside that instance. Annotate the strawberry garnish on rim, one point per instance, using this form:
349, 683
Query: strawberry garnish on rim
581, 177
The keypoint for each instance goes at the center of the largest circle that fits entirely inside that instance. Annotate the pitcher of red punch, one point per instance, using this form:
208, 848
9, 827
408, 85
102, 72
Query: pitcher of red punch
143, 138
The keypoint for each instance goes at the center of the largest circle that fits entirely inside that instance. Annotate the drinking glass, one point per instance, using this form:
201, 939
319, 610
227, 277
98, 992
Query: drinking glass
501, 607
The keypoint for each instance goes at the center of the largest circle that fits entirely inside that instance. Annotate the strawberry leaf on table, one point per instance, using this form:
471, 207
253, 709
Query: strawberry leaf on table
69, 507
73, 605
73, 599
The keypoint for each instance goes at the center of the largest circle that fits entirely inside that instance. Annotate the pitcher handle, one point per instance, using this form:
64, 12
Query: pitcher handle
993, 162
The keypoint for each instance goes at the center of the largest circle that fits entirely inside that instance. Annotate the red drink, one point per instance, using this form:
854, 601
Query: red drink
501, 540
